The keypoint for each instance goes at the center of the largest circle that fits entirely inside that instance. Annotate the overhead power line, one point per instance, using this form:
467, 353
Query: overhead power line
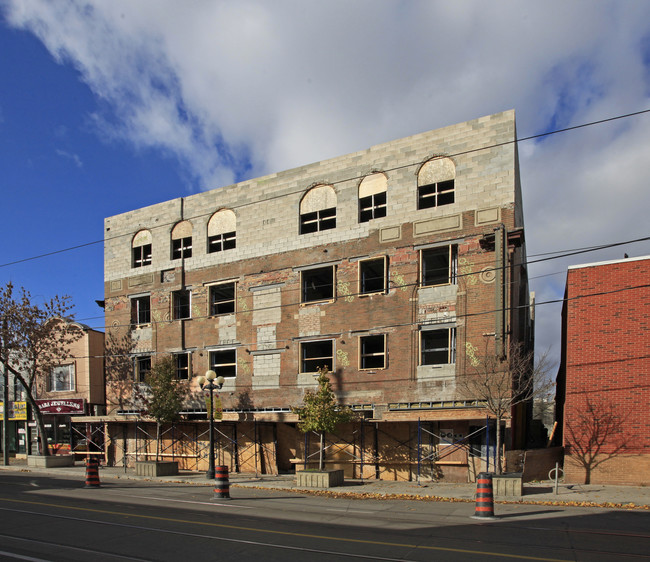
496, 145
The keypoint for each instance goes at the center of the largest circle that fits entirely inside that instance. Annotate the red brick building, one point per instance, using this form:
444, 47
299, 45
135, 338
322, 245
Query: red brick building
396, 267
604, 378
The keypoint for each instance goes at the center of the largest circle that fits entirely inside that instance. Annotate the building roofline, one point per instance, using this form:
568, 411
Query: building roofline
608, 262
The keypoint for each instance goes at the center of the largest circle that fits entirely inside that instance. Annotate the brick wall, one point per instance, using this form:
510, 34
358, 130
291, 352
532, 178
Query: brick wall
607, 369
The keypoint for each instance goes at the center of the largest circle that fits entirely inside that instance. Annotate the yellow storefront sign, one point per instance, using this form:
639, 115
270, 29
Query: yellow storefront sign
17, 411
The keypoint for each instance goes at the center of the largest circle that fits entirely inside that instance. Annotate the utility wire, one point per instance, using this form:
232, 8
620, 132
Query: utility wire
496, 145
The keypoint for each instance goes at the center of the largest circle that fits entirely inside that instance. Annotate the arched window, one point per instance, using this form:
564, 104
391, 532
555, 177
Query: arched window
222, 231
318, 209
372, 197
436, 183
141, 249
182, 240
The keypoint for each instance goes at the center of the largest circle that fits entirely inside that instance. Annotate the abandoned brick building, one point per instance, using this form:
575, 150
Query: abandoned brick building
395, 267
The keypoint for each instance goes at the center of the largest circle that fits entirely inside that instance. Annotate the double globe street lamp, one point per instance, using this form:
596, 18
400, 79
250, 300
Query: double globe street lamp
211, 382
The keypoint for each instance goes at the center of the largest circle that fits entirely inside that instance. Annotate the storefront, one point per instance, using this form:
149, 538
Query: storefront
58, 416
16, 427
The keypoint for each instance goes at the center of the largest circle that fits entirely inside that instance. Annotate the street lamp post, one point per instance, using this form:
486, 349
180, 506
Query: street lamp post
211, 382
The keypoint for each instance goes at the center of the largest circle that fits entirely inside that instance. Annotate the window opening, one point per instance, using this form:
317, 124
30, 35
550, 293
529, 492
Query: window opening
142, 255
183, 365
182, 302
224, 362
315, 355
141, 310
372, 276
372, 352
438, 347
325, 219
222, 299
182, 248
436, 194
317, 284
221, 242
372, 207
141, 367
438, 266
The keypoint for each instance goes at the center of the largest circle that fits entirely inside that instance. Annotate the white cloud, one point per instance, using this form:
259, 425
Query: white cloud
220, 85
70, 156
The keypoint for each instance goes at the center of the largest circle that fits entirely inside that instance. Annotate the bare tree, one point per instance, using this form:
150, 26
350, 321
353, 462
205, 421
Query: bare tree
594, 435
33, 340
122, 388
503, 383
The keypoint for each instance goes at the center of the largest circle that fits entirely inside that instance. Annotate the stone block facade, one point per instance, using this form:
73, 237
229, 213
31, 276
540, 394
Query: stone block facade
382, 265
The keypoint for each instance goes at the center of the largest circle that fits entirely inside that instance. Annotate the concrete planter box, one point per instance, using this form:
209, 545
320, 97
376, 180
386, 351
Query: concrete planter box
50, 461
156, 468
319, 479
507, 484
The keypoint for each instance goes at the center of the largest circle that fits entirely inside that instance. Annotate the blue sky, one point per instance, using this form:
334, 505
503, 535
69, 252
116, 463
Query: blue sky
110, 106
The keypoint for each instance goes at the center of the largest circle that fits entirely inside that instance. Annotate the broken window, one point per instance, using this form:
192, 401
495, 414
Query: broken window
372, 207
318, 220
317, 284
372, 197
221, 242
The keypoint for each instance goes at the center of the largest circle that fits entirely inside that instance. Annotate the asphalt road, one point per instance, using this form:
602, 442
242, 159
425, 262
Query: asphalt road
46, 518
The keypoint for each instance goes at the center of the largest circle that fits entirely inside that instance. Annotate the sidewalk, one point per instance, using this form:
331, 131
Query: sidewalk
593, 495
